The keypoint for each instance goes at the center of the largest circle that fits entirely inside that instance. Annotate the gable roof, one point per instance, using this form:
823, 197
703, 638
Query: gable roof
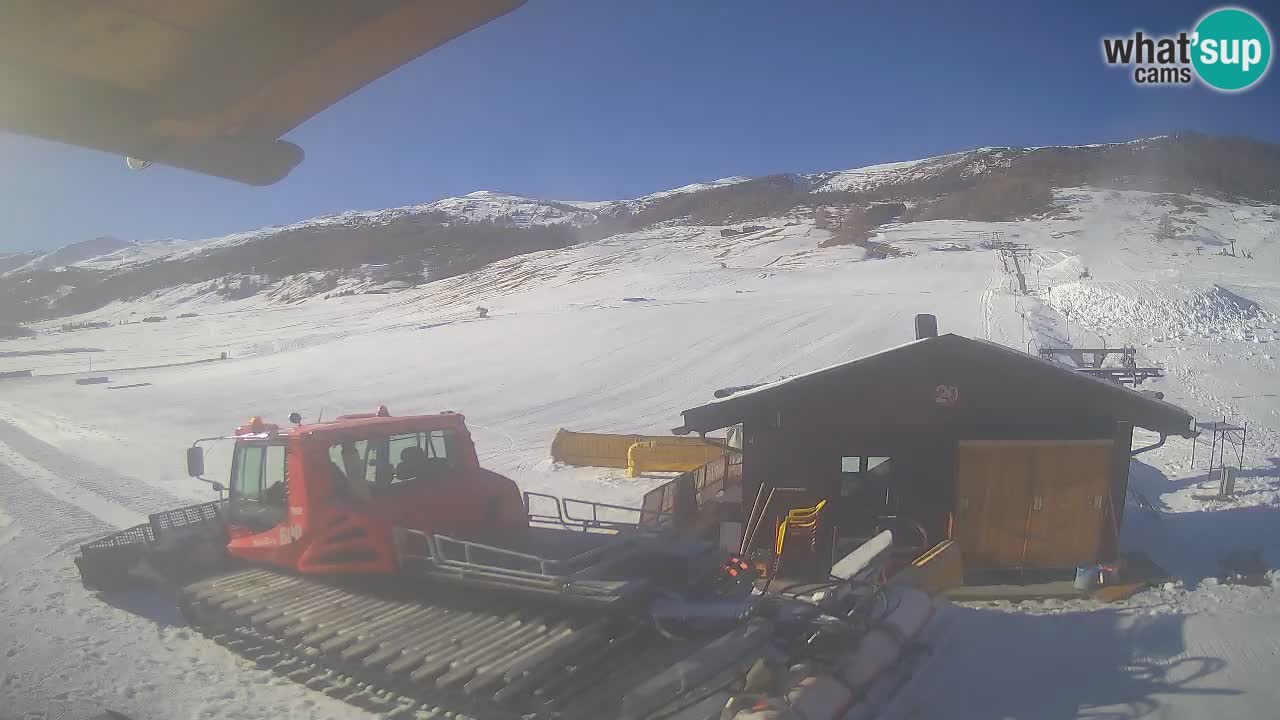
207, 85
1017, 375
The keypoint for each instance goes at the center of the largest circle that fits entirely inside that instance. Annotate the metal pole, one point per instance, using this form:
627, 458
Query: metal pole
1222, 446
1244, 428
1213, 444
1213, 447
1222, 449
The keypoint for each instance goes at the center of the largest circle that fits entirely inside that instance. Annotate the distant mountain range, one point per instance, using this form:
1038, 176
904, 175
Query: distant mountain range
459, 234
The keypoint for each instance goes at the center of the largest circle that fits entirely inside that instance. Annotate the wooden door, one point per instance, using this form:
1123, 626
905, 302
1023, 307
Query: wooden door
1032, 504
1070, 514
993, 495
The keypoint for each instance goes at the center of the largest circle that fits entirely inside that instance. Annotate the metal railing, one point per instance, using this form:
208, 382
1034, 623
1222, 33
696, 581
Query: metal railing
433, 552
565, 516
709, 481
717, 476
433, 558
468, 557
506, 557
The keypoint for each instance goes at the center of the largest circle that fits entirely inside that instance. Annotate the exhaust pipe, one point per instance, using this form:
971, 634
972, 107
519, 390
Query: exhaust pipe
926, 326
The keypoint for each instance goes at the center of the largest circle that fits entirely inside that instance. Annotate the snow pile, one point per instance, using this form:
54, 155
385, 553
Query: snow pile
1165, 312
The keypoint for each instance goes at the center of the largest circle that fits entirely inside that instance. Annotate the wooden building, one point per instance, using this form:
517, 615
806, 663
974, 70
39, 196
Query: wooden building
1021, 461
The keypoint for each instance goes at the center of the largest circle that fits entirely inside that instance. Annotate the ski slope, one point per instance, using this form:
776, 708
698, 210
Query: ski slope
508, 209
620, 335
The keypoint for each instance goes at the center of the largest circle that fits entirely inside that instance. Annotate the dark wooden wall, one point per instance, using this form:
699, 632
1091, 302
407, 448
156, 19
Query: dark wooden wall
795, 449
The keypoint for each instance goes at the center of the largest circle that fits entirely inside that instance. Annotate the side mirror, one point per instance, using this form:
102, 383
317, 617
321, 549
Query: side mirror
195, 461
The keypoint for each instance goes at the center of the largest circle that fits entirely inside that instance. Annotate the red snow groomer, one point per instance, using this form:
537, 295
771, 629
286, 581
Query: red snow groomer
374, 557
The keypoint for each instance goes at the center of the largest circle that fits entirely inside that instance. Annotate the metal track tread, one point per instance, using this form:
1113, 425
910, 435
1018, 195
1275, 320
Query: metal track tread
482, 655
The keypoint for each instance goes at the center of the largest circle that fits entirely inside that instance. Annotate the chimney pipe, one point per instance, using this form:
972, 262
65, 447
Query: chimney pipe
926, 326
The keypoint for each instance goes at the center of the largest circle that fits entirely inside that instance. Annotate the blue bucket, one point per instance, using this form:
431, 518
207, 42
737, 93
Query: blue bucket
1086, 577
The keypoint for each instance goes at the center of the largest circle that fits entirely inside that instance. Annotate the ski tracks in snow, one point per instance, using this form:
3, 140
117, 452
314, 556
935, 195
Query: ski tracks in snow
992, 328
65, 499
56, 519
28, 488
988, 298
8, 529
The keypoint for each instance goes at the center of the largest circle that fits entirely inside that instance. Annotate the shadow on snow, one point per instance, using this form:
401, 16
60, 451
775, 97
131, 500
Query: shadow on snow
1192, 544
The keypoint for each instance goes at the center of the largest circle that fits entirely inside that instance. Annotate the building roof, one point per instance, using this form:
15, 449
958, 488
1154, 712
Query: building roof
207, 85
948, 376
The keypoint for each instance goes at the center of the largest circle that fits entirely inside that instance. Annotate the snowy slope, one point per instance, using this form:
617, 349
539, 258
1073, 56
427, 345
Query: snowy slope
621, 335
480, 206
690, 188
512, 209
73, 253
972, 162
519, 211
10, 261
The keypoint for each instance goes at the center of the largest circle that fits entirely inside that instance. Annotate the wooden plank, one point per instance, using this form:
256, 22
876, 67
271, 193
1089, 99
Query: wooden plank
939, 568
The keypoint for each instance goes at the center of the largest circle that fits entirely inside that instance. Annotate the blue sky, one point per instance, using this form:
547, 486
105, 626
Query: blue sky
593, 100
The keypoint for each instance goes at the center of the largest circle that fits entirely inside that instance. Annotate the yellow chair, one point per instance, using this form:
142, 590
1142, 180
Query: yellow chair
797, 520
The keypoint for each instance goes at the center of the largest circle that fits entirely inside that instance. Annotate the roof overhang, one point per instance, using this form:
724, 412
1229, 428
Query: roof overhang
1106, 397
206, 85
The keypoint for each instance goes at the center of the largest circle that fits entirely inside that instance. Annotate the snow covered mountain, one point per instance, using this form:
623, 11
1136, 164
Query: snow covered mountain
9, 261
83, 251
460, 234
